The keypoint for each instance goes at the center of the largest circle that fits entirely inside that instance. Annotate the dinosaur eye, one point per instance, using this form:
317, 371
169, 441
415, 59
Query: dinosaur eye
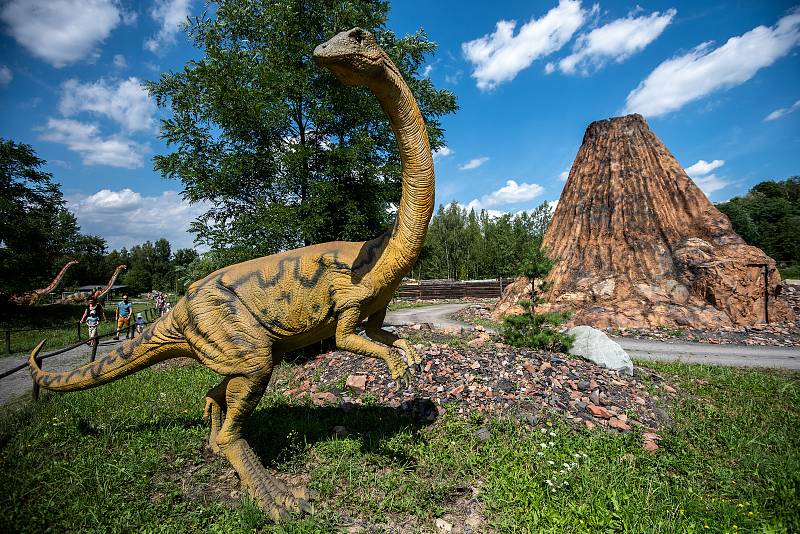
358, 35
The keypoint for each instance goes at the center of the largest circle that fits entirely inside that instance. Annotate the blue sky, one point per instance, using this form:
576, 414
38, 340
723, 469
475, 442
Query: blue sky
719, 83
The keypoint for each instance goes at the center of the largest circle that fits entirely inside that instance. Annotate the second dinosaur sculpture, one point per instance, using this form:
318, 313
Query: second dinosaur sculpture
241, 320
32, 297
99, 293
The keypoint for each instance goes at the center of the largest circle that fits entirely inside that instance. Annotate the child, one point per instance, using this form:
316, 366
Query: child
92, 316
139, 323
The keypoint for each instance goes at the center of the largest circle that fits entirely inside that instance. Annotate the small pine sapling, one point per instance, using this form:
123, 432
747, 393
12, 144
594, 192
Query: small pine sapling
530, 329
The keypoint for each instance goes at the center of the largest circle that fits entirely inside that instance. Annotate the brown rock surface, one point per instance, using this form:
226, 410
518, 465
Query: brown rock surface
639, 243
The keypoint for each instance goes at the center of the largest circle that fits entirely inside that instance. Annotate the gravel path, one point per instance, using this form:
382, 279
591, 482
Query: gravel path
726, 355
438, 316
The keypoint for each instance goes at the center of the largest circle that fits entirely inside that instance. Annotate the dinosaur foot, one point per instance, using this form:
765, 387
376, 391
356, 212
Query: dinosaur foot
275, 497
279, 500
403, 380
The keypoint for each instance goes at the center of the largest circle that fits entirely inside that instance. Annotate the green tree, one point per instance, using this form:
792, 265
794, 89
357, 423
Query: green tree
285, 153
535, 266
768, 217
37, 233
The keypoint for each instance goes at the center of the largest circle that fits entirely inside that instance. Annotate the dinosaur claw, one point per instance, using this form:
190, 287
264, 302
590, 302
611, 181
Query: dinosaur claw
305, 506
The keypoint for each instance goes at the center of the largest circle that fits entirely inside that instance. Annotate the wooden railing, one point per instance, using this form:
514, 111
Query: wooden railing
452, 289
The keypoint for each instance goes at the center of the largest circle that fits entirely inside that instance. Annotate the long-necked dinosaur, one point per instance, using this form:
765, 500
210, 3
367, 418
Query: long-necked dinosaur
78, 297
241, 320
30, 298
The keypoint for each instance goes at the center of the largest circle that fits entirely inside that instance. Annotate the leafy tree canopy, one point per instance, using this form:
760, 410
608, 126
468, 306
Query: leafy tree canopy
37, 233
285, 153
768, 217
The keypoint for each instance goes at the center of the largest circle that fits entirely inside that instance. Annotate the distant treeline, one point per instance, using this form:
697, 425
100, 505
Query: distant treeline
768, 217
464, 245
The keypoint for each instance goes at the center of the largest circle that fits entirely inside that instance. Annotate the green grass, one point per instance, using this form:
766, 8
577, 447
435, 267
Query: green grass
127, 456
57, 323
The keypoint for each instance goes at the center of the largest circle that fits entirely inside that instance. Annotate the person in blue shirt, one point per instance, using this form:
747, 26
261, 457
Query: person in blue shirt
124, 313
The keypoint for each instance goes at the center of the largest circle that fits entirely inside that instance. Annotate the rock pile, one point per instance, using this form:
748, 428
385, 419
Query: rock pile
493, 380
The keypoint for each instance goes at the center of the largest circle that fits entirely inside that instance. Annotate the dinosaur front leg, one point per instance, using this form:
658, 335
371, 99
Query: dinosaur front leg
347, 339
242, 394
375, 331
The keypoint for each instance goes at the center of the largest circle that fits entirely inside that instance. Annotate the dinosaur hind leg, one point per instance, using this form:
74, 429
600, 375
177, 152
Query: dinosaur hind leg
242, 394
215, 412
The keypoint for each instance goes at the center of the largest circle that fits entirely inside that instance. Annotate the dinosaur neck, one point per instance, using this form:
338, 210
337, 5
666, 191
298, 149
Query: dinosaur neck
417, 200
56, 280
102, 292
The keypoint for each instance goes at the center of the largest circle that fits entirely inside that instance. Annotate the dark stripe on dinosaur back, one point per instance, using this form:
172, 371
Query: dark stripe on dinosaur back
367, 256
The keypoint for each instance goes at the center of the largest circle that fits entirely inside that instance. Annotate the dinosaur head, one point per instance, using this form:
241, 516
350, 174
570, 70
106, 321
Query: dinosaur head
353, 56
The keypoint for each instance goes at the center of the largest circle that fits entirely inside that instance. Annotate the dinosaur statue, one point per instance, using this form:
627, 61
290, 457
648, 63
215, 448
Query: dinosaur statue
83, 296
30, 298
100, 293
240, 320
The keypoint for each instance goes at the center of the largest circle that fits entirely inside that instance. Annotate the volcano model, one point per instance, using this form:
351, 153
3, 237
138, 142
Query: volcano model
639, 244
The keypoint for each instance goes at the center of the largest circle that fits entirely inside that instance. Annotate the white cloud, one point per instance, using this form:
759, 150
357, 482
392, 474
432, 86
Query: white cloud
61, 31
616, 41
704, 167
5, 76
442, 152
778, 113
473, 164
119, 61
426, 72
563, 175
699, 172
686, 78
128, 103
126, 218
498, 57
511, 193
170, 14
711, 183
94, 149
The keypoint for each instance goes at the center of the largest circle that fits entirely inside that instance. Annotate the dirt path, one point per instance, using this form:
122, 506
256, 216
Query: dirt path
20, 382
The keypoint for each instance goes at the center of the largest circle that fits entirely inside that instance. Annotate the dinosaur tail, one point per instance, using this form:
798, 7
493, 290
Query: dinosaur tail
160, 341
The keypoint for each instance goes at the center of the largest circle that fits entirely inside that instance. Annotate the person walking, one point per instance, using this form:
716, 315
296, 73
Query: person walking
93, 315
139, 324
123, 317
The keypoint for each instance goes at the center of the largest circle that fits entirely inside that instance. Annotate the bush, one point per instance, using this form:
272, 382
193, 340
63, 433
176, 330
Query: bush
791, 272
536, 330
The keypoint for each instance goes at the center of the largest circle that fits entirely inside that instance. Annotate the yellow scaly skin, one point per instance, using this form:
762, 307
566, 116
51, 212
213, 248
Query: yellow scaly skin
32, 297
240, 320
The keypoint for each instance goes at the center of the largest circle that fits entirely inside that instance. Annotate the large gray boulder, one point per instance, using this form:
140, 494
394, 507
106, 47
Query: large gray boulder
593, 345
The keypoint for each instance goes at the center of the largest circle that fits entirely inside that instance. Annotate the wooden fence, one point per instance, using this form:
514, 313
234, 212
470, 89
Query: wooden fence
452, 289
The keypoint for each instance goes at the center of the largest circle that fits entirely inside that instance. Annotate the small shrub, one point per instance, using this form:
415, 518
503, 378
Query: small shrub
536, 330
791, 272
